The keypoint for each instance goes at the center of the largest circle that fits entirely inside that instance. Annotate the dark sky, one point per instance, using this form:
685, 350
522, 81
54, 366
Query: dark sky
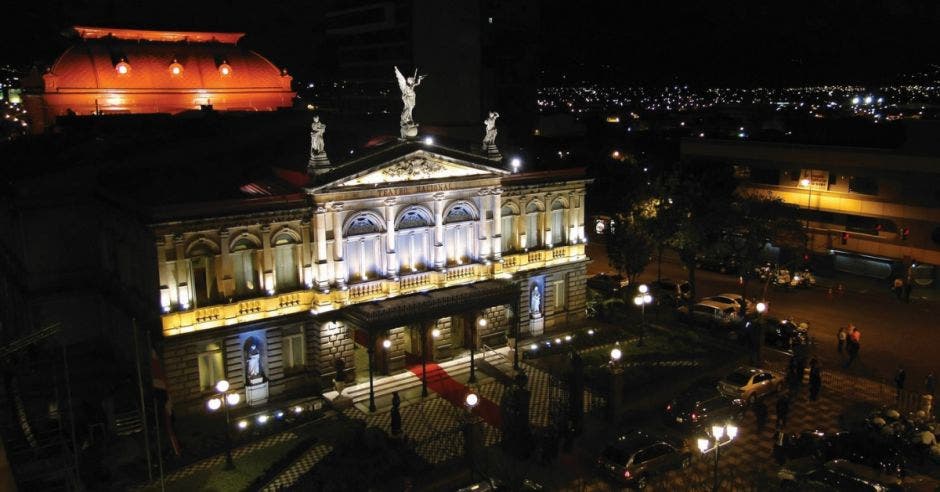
735, 42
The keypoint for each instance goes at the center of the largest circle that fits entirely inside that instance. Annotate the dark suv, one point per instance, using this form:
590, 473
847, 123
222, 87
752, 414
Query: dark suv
636, 456
671, 292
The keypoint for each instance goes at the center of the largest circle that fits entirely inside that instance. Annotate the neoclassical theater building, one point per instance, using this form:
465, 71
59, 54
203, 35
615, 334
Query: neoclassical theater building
412, 252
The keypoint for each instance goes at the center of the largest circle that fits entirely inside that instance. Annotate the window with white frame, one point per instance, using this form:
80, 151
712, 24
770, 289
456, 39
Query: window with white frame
211, 366
412, 240
243, 267
559, 232
532, 229
508, 220
293, 348
285, 262
459, 232
364, 247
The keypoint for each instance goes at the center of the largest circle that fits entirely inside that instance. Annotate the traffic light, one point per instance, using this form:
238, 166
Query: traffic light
845, 237
905, 231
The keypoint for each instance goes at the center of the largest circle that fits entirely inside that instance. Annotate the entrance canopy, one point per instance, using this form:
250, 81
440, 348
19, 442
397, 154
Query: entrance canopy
401, 311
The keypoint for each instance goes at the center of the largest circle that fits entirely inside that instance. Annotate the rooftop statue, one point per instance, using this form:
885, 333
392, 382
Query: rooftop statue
407, 85
489, 137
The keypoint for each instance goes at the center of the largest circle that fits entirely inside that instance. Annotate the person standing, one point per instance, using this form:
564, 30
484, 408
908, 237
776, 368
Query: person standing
842, 335
815, 380
760, 415
853, 344
899, 379
783, 408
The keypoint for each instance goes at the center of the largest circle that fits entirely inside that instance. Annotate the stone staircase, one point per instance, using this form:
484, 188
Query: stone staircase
407, 384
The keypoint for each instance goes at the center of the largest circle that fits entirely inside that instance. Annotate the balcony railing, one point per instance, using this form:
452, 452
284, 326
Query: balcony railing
180, 322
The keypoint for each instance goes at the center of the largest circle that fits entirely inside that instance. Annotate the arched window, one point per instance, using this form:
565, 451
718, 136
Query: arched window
459, 233
559, 232
202, 279
412, 239
533, 231
363, 238
286, 268
243, 267
508, 215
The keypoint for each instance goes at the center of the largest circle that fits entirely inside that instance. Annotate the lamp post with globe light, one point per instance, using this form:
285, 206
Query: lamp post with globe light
642, 299
761, 309
470, 429
225, 399
616, 382
808, 183
718, 432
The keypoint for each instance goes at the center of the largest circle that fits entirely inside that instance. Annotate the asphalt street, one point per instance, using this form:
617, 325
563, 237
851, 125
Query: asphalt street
893, 332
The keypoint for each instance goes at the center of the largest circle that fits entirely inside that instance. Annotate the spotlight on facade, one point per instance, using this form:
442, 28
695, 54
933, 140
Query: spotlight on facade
428, 140
176, 69
534, 347
298, 409
242, 424
516, 163
387, 343
436, 333
123, 68
225, 69
263, 419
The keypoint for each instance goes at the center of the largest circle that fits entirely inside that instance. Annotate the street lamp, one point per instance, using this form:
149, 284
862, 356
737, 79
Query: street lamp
761, 309
473, 345
224, 398
470, 431
809, 204
615, 355
718, 432
642, 300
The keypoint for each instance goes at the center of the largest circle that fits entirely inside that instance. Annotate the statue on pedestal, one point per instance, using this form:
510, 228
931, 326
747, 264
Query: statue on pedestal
489, 137
409, 129
319, 162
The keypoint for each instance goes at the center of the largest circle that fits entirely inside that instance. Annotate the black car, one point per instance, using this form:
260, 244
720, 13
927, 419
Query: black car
869, 449
670, 292
701, 409
784, 333
836, 475
636, 456
609, 285
720, 264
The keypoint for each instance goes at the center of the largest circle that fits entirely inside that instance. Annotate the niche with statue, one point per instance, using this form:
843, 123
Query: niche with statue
256, 382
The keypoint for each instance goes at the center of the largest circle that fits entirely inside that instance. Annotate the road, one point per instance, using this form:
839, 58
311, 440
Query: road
892, 332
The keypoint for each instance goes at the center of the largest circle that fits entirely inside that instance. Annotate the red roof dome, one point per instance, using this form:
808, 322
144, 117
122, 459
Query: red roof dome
136, 71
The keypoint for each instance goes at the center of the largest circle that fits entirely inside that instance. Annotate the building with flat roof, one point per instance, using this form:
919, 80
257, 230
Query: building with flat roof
875, 211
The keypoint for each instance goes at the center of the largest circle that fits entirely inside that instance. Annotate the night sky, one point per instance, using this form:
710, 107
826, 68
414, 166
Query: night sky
736, 43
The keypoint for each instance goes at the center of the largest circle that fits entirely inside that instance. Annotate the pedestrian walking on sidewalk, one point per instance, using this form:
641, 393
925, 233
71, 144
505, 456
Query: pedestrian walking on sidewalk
760, 415
783, 408
899, 379
815, 380
930, 384
853, 344
842, 335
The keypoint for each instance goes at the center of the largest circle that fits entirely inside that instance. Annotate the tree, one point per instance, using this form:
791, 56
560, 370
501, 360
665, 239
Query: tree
629, 248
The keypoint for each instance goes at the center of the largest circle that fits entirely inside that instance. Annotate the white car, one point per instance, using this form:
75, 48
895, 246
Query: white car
734, 299
750, 383
710, 313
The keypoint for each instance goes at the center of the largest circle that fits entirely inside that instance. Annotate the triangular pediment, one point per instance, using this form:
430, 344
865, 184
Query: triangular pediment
419, 165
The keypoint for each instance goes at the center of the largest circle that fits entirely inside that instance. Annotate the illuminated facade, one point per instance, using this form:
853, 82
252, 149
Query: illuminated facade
109, 71
380, 251
880, 206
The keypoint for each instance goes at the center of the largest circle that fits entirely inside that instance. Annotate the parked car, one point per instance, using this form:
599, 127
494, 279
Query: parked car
736, 300
718, 264
670, 292
608, 284
836, 475
701, 409
636, 456
750, 383
711, 314
872, 450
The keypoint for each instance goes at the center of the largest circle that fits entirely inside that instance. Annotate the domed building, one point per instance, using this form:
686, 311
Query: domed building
110, 71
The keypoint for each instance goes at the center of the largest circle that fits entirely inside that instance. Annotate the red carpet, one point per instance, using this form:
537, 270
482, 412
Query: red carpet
441, 383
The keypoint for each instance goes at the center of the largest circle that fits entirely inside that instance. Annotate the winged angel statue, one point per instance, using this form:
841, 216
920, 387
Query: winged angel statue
407, 86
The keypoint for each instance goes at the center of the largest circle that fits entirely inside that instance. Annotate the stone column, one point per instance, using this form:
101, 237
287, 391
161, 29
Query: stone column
224, 272
339, 266
579, 217
391, 257
547, 222
439, 259
571, 219
483, 233
319, 219
306, 271
184, 295
267, 260
497, 247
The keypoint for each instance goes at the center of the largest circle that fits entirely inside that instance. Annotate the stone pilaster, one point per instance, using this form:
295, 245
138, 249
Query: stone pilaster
497, 238
319, 218
439, 257
339, 266
391, 259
